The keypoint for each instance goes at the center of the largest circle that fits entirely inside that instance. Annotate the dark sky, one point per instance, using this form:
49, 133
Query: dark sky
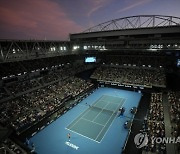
55, 19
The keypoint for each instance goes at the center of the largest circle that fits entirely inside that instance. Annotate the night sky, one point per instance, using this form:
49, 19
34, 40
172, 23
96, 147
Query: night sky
55, 19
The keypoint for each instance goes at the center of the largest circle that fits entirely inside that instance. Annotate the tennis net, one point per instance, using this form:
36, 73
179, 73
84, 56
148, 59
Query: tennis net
103, 109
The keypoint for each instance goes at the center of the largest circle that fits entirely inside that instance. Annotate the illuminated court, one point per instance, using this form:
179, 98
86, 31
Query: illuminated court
94, 125
94, 122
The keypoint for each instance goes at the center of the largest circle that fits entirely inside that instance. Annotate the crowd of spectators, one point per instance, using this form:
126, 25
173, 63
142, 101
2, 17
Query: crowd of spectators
156, 107
71, 87
29, 108
10, 110
29, 82
59, 73
138, 60
52, 76
23, 86
154, 124
35, 95
174, 100
131, 76
112, 74
10, 147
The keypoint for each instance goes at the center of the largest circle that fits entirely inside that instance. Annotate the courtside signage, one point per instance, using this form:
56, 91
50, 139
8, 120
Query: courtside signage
72, 145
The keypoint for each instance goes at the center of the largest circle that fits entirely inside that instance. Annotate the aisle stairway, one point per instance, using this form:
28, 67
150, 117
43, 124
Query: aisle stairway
169, 147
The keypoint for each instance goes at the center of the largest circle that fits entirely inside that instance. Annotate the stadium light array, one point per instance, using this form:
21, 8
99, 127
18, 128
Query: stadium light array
85, 47
75, 47
52, 49
159, 46
96, 47
168, 45
14, 51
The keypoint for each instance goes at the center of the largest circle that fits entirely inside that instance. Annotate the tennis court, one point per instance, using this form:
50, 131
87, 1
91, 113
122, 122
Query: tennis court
93, 129
95, 121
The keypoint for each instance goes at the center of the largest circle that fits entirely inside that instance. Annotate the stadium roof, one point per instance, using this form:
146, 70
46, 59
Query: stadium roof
134, 22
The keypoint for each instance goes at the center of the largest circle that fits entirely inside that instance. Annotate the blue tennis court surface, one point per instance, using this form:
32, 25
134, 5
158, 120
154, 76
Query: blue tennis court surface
94, 127
95, 121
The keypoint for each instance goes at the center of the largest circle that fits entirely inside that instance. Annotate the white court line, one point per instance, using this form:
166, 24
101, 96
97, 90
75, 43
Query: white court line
74, 123
93, 122
113, 112
106, 123
100, 111
121, 105
108, 102
82, 135
115, 97
107, 130
115, 103
78, 117
104, 126
109, 126
124, 101
121, 98
85, 112
96, 102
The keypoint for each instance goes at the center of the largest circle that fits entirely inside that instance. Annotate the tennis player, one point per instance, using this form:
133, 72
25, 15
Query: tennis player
69, 136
